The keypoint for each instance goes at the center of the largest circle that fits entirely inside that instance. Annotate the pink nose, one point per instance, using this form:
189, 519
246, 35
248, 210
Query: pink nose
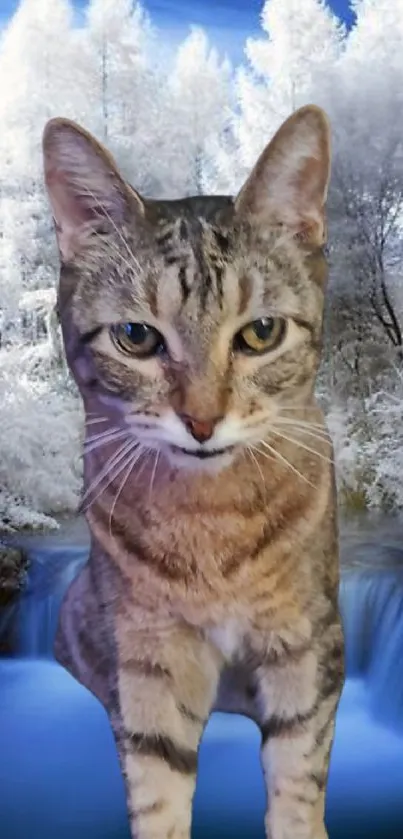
201, 430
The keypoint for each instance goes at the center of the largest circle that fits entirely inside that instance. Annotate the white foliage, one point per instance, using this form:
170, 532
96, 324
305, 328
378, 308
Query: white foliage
363, 93
36, 313
36, 56
378, 33
199, 100
346, 447
383, 445
120, 90
40, 441
300, 41
368, 440
39, 301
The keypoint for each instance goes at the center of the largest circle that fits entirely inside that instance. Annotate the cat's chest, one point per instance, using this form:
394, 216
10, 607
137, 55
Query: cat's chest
205, 545
228, 637
240, 639
201, 568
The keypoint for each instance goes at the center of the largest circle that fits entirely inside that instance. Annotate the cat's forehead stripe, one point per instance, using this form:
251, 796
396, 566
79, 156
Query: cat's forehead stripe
245, 293
195, 249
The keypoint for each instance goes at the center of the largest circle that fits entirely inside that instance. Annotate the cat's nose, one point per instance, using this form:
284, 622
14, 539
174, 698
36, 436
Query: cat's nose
200, 429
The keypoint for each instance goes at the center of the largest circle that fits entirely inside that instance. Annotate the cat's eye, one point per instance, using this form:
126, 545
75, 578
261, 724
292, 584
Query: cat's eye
260, 336
137, 339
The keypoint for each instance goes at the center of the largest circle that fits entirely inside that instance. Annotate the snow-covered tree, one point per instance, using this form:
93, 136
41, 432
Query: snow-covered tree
300, 42
377, 33
366, 199
122, 91
37, 61
36, 55
197, 110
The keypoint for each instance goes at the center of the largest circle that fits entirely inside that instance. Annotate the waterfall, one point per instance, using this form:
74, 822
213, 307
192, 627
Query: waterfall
50, 573
371, 604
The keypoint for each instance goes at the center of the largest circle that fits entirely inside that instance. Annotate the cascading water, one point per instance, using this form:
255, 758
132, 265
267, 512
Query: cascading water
49, 577
29, 622
371, 605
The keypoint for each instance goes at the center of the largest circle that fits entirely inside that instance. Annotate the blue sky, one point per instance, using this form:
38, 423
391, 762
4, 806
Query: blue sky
227, 22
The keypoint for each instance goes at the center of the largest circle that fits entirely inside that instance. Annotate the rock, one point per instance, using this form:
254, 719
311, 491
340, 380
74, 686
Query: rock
13, 568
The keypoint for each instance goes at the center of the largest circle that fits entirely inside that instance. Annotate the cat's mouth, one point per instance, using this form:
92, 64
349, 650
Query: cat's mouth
202, 454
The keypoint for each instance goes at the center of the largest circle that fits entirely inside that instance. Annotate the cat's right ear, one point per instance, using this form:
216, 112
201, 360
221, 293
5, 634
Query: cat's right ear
84, 186
288, 186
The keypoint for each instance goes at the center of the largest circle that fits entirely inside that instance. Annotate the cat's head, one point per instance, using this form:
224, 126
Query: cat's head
195, 322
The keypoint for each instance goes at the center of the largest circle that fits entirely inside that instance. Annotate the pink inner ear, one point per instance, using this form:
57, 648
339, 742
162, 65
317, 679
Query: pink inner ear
71, 213
288, 185
68, 206
310, 197
311, 182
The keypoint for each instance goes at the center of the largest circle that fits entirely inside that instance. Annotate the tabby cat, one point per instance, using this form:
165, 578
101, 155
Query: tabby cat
193, 329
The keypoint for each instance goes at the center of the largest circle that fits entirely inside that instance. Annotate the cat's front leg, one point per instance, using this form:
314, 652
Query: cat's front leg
299, 689
166, 687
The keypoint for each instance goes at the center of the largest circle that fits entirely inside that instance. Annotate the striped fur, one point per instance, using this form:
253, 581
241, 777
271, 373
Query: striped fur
212, 580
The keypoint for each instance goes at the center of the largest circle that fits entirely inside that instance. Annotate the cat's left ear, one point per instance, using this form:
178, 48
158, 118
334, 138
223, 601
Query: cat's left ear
84, 186
289, 183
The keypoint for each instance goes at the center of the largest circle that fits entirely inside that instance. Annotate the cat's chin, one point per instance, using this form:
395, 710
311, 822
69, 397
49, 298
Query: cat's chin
199, 461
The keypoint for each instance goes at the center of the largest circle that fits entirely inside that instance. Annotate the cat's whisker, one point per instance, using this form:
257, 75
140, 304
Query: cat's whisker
111, 246
117, 470
153, 474
105, 435
279, 456
100, 443
95, 419
145, 450
265, 454
133, 461
304, 428
102, 207
318, 428
301, 445
300, 408
257, 464
296, 407
112, 477
97, 433
319, 437
110, 464
317, 425
103, 475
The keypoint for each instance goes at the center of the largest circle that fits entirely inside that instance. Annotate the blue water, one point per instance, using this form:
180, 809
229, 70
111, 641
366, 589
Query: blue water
59, 773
